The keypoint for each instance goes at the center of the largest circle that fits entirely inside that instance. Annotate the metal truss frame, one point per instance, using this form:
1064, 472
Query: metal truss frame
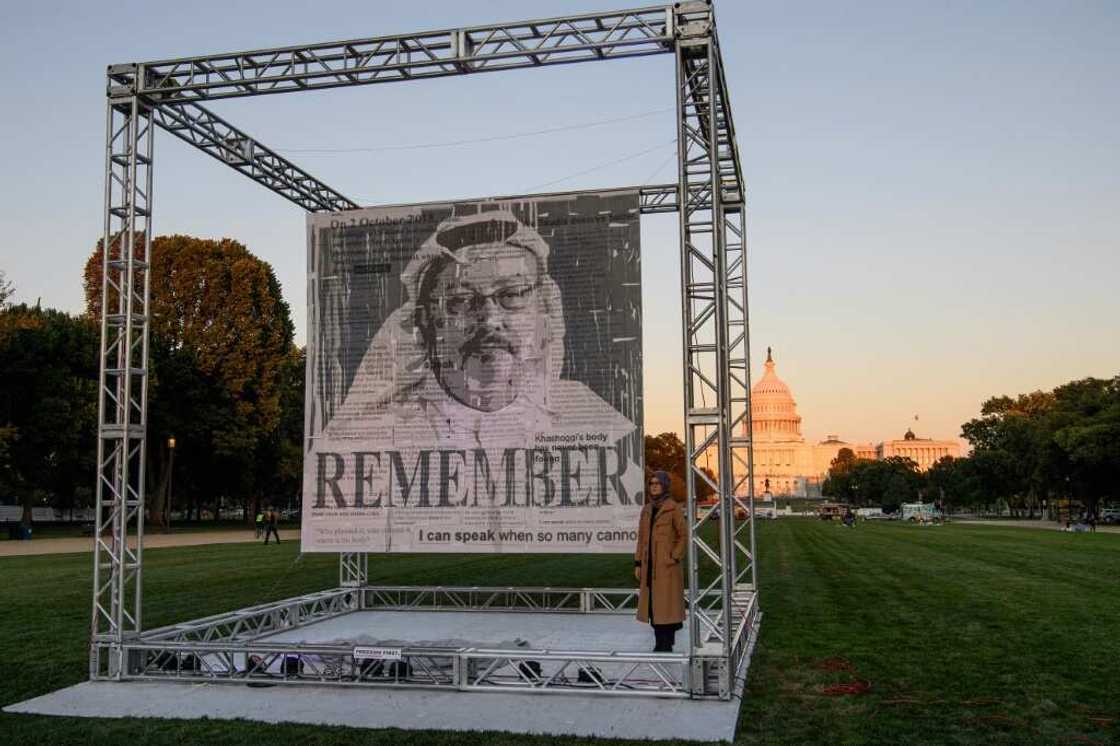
722, 597
236, 647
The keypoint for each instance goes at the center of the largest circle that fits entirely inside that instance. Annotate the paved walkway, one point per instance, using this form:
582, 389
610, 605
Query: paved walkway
1041, 525
152, 540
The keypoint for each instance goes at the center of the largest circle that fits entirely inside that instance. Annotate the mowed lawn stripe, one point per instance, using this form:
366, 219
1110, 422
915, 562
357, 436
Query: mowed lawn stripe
964, 634
950, 642
1042, 635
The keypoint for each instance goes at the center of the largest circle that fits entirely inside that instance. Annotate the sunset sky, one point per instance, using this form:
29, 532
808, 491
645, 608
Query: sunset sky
934, 189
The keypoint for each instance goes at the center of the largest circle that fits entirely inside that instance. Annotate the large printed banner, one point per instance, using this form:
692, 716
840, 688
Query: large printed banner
474, 377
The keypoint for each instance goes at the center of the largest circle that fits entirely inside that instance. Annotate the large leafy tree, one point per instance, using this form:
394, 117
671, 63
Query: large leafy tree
1085, 422
838, 482
666, 452
1063, 443
221, 336
954, 483
886, 483
1021, 459
279, 459
48, 407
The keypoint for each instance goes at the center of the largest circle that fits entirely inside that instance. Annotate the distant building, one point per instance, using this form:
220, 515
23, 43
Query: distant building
786, 466
925, 452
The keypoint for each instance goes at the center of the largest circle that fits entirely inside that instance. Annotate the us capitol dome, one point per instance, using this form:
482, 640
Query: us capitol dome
786, 466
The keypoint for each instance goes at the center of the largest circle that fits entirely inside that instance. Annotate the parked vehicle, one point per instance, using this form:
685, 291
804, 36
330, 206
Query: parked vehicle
771, 513
831, 511
740, 511
920, 512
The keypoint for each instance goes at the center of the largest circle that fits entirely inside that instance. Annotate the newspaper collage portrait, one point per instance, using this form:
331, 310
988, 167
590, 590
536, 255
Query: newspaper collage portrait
474, 377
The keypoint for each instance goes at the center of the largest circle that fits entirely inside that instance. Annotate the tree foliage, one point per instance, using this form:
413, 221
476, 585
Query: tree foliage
885, 483
220, 356
48, 407
666, 452
1058, 444
1028, 449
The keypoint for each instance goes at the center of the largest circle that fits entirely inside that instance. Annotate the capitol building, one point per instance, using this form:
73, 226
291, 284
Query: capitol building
786, 466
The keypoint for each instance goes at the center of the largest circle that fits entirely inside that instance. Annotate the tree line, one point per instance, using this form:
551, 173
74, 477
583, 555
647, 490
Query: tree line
226, 382
1030, 453
225, 387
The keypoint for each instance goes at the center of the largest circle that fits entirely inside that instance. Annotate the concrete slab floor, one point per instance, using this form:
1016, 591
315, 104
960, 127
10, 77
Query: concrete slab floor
571, 715
413, 709
483, 629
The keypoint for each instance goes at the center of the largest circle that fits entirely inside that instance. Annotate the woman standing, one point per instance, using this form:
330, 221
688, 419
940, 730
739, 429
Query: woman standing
662, 540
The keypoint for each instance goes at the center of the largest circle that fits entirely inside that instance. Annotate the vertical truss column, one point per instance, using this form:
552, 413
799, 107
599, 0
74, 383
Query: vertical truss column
353, 569
744, 591
123, 390
716, 375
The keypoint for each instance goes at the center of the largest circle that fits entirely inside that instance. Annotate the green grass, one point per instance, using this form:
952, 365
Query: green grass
964, 634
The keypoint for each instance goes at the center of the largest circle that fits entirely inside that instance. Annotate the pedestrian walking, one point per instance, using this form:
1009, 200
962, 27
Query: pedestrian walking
271, 519
260, 523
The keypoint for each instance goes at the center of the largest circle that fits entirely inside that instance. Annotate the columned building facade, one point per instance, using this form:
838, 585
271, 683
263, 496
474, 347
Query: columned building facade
786, 466
925, 452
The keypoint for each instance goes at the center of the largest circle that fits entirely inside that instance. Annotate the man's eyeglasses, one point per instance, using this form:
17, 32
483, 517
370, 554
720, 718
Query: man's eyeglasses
512, 298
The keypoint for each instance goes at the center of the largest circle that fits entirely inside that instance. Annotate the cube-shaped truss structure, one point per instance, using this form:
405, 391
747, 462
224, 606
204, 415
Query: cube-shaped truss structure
243, 646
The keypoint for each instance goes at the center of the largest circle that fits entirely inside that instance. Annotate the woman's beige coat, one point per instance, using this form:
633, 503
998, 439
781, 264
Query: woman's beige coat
670, 541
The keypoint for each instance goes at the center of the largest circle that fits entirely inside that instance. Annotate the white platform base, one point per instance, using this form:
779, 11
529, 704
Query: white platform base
408, 709
573, 714
602, 633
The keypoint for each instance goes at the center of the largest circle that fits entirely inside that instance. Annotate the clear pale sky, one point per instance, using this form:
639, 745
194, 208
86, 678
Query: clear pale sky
934, 188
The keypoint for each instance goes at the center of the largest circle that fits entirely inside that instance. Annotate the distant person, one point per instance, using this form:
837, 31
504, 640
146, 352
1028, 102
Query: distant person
849, 518
662, 541
260, 523
271, 519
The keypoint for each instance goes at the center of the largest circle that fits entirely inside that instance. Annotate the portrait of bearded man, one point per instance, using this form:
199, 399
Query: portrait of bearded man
474, 355
448, 390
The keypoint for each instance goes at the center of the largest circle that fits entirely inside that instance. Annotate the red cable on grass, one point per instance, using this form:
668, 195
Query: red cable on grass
835, 664
853, 687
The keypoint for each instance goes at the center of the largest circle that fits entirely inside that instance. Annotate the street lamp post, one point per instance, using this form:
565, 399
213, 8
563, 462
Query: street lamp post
170, 477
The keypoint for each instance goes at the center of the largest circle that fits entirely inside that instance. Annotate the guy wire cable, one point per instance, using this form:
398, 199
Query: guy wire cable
477, 140
623, 159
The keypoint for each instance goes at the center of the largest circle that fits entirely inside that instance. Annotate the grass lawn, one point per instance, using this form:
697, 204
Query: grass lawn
78, 528
959, 634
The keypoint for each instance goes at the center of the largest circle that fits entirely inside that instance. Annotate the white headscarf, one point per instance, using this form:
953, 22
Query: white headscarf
396, 367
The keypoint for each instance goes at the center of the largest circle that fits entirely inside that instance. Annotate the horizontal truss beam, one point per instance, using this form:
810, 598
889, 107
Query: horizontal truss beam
382, 59
462, 669
208, 132
174, 87
218, 138
236, 646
